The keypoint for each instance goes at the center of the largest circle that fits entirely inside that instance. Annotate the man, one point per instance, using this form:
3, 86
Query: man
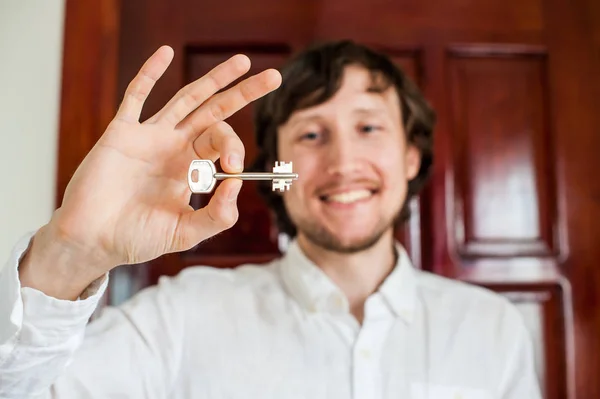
342, 314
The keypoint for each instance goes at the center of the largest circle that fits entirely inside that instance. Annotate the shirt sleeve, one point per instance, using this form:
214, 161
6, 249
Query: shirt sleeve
48, 349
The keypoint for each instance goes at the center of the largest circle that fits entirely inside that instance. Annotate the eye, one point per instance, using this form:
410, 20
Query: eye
369, 128
309, 136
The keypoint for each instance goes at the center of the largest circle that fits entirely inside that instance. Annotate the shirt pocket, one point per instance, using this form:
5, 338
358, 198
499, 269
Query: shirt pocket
434, 391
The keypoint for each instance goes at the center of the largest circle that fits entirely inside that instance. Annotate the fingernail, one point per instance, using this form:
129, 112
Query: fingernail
233, 193
235, 161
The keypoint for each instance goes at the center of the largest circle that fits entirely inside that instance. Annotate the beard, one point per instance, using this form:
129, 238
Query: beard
329, 241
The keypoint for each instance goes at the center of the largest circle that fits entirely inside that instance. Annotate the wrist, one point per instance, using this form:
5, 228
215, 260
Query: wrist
59, 268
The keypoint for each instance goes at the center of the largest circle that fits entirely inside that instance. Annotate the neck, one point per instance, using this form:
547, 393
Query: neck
357, 274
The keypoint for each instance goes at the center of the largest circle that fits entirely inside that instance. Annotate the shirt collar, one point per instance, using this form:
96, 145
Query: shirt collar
400, 288
315, 291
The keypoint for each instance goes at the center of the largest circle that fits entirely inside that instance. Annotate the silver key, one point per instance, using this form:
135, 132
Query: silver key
207, 176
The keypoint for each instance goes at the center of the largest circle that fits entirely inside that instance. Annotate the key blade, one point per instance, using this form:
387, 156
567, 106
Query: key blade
205, 171
256, 176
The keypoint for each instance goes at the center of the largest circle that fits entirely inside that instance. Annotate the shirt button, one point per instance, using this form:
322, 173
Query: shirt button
365, 353
336, 303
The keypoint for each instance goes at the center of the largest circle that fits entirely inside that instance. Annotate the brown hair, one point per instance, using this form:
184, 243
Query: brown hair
313, 77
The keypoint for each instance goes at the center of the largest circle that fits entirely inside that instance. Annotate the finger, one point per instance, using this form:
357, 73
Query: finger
221, 141
194, 94
219, 214
139, 88
225, 104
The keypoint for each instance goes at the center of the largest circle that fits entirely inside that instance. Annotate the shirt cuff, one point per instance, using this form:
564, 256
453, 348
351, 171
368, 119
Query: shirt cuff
29, 316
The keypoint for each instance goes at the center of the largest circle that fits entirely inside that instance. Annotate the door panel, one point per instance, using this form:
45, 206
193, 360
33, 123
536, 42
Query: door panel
504, 192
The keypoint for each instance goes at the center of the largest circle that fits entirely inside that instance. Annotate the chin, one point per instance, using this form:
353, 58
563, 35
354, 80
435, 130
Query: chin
356, 245
343, 243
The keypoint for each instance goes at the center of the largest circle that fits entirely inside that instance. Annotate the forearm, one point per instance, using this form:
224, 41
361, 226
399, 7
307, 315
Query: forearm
38, 334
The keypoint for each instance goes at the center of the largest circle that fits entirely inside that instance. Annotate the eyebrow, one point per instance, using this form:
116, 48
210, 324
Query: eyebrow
369, 111
359, 110
301, 119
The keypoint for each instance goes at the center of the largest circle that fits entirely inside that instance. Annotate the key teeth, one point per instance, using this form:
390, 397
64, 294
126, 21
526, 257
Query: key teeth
282, 167
281, 185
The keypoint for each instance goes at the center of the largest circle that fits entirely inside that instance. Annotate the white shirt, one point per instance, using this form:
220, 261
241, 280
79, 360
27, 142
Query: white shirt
281, 330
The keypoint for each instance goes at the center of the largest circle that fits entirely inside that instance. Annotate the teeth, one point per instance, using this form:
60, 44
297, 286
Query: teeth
350, 196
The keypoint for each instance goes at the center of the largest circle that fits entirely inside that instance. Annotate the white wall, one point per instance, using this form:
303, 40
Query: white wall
30, 67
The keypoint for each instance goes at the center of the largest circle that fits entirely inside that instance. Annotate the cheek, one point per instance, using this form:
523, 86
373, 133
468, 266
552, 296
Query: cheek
283, 153
391, 161
287, 151
307, 176
392, 168
305, 161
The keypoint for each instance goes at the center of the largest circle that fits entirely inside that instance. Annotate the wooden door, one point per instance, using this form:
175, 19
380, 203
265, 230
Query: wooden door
513, 200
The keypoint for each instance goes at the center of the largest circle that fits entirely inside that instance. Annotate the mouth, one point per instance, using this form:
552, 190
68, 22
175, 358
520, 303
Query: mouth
348, 197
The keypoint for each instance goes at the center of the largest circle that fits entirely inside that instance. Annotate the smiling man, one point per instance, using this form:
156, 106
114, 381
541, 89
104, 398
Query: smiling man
343, 314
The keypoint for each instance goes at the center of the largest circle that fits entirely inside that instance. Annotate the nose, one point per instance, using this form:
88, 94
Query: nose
343, 154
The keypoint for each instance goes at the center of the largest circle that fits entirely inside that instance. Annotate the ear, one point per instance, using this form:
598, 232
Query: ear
412, 161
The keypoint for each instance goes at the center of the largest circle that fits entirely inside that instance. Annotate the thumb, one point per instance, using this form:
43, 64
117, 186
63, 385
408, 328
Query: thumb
219, 214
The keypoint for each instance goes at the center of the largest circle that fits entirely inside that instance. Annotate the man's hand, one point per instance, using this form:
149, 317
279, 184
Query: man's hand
128, 201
